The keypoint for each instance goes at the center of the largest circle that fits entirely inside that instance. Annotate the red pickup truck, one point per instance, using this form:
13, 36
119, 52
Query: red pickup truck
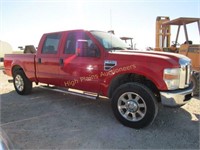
99, 62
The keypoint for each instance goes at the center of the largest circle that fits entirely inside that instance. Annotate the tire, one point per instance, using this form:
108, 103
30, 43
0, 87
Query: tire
195, 83
134, 105
22, 84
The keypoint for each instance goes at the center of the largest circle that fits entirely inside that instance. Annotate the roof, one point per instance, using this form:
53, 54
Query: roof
181, 21
126, 38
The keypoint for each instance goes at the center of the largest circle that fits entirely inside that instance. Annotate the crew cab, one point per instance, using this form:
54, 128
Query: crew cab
99, 62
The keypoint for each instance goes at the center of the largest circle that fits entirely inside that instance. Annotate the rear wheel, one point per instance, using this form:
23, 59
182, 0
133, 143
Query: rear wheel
134, 105
21, 83
195, 82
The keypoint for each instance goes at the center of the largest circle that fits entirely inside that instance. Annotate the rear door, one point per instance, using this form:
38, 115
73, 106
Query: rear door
47, 59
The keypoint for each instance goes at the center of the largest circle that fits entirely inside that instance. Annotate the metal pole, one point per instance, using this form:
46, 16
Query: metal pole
177, 34
163, 36
186, 34
198, 23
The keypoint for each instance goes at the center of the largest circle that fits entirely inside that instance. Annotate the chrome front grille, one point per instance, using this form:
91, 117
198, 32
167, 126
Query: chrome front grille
188, 74
185, 72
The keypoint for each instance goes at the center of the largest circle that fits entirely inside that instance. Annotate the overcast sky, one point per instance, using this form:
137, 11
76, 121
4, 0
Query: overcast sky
23, 22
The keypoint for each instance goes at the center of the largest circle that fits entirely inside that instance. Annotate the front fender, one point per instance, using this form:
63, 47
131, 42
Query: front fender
154, 75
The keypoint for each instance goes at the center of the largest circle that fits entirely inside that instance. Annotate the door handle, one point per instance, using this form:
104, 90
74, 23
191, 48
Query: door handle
61, 62
39, 60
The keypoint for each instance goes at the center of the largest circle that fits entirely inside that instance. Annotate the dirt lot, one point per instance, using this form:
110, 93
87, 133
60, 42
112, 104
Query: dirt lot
51, 120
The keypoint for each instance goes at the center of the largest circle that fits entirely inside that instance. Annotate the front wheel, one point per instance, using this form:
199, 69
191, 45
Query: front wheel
195, 83
134, 105
21, 83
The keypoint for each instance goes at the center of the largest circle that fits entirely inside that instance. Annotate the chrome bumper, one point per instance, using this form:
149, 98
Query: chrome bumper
176, 97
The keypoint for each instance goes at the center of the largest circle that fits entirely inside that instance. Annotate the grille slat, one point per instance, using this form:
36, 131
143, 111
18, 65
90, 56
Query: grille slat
185, 76
185, 72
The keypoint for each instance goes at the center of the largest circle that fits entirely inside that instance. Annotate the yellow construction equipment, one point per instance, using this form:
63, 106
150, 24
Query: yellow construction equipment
163, 43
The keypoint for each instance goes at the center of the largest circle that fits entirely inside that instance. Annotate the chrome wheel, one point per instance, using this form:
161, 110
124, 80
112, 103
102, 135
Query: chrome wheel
132, 106
19, 82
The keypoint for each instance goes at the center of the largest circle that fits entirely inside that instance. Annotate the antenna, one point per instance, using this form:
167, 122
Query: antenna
110, 19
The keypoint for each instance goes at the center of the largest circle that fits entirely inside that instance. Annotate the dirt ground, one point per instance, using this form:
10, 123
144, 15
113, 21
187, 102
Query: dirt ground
51, 120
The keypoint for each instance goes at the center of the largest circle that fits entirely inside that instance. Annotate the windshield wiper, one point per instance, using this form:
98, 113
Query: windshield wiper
129, 48
116, 48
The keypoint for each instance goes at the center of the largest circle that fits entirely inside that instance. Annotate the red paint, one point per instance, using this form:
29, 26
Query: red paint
88, 73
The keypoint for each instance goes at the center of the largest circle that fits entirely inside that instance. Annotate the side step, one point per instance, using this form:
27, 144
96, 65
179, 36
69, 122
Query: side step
72, 91
10, 81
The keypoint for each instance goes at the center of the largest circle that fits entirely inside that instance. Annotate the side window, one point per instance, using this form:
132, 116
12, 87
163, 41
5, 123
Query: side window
70, 45
51, 44
92, 50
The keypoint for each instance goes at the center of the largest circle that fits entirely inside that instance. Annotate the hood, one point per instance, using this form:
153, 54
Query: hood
150, 56
146, 53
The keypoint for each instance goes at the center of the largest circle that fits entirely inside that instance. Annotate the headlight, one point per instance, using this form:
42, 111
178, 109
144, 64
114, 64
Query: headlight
171, 77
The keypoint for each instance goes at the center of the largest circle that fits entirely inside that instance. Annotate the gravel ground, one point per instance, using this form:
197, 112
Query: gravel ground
51, 120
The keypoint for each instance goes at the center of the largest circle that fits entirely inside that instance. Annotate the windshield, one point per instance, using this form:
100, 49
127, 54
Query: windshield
109, 41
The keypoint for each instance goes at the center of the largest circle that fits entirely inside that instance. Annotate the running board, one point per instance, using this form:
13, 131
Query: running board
10, 81
72, 92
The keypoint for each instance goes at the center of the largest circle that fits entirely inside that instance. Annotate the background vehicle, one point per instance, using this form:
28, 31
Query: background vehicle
99, 63
6, 48
127, 40
188, 48
28, 49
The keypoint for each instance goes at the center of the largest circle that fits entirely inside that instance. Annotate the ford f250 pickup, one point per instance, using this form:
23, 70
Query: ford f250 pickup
98, 62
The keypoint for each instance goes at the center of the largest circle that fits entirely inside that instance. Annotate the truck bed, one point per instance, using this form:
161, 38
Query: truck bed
26, 61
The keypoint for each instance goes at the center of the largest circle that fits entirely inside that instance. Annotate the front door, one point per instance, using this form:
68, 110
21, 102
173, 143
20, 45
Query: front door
80, 72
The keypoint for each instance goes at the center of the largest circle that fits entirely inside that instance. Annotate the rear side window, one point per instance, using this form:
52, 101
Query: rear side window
51, 44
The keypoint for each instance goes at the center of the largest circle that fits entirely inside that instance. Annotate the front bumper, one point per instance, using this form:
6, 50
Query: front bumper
176, 97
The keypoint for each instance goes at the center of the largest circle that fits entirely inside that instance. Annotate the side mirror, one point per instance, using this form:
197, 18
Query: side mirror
81, 48
21, 47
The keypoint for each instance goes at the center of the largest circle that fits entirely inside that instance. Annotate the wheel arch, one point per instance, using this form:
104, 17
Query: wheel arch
16, 67
131, 77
